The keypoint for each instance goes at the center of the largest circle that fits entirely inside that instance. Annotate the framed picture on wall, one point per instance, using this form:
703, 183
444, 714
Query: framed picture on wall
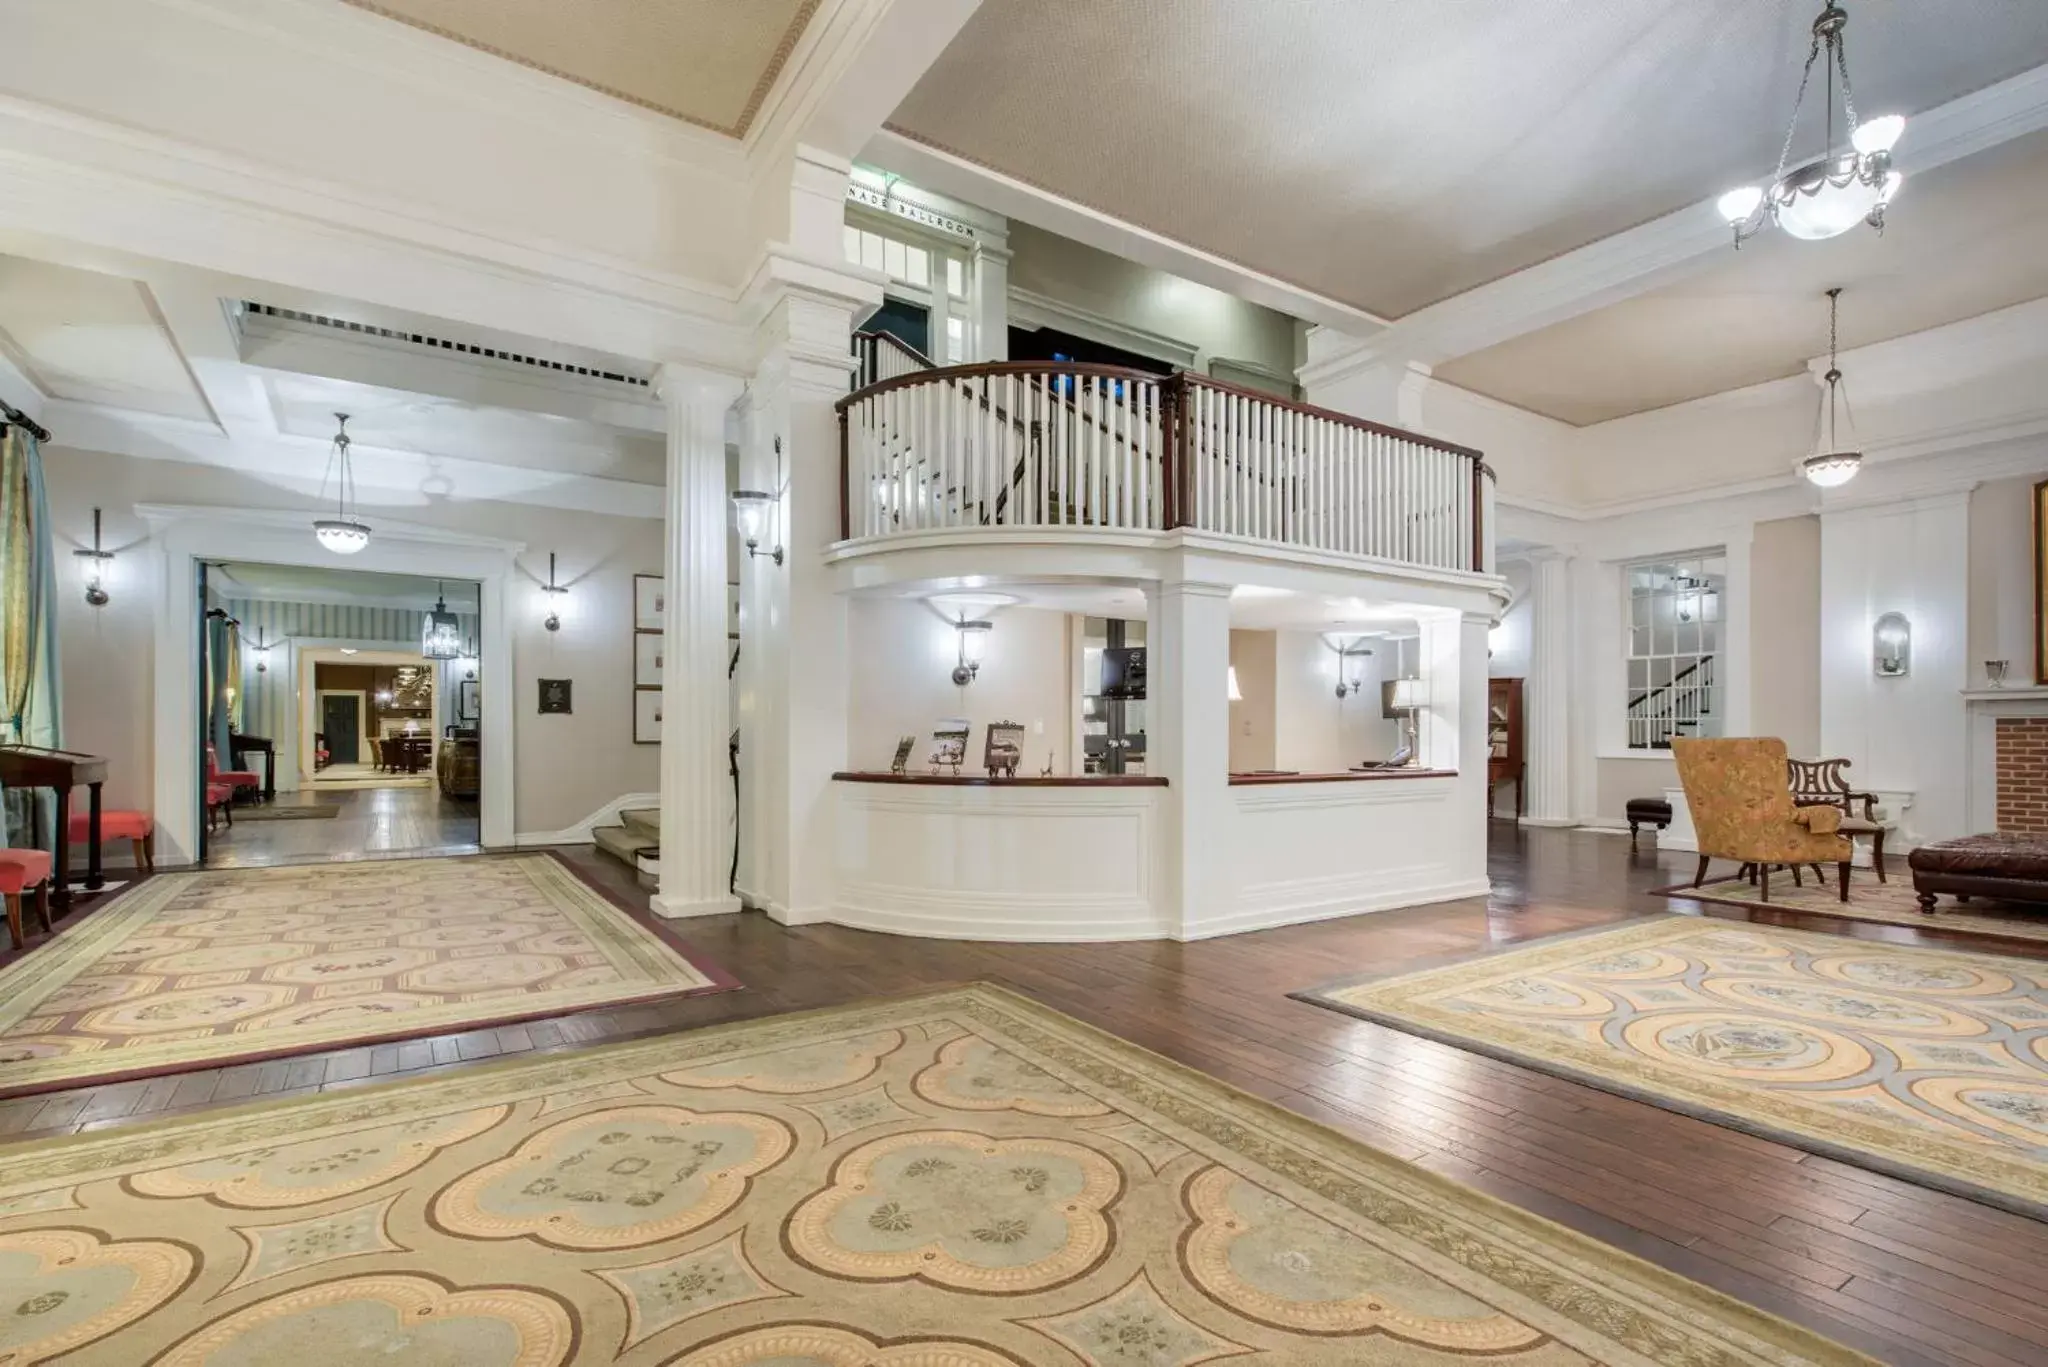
646, 716
468, 703
650, 602
647, 659
556, 697
2041, 582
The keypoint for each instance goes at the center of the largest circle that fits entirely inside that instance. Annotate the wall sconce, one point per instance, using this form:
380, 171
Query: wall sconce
96, 561
468, 661
1235, 694
752, 508
973, 637
261, 649
1346, 647
1893, 641
553, 621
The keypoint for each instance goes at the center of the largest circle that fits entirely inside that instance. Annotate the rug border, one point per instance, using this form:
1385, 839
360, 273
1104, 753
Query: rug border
1777, 1330
719, 979
1932, 924
1790, 1138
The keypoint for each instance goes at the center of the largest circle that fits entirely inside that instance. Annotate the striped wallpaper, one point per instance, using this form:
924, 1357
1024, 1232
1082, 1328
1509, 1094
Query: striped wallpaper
267, 706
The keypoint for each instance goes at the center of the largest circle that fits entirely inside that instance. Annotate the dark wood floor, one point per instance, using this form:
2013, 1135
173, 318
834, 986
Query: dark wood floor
1909, 1275
369, 823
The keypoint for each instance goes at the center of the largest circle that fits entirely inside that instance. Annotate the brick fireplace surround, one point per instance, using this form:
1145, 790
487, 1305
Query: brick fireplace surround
2022, 749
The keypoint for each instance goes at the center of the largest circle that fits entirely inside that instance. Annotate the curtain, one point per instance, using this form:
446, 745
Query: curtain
30, 696
218, 682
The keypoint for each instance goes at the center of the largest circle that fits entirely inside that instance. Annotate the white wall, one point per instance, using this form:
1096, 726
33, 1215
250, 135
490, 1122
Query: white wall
903, 655
1316, 732
1252, 717
2001, 576
1512, 641
1785, 633
565, 767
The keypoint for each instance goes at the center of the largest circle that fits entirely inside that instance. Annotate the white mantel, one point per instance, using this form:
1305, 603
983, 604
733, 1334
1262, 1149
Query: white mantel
1980, 757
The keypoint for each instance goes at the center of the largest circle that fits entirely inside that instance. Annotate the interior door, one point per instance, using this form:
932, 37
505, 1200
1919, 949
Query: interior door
341, 721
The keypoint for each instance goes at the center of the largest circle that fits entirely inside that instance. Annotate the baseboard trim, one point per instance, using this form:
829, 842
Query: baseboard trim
1270, 918
682, 909
1548, 822
580, 833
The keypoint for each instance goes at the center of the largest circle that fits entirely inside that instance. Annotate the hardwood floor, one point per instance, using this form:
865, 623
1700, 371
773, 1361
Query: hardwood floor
372, 823
1909, 1275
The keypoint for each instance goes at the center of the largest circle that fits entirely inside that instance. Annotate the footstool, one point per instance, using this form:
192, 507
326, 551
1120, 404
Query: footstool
2014, 867
136, 827
1647, 811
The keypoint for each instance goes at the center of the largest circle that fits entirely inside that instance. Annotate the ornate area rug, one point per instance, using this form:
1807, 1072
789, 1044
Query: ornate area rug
191, 970
959, 1180
1869, 900
1931, 1064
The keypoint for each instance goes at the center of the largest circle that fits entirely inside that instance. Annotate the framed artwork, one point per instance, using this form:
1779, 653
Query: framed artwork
468, 704
2041, 582
949, 744
650, 602
555, 696
646, 716
647, 658
1004, 747
902, 760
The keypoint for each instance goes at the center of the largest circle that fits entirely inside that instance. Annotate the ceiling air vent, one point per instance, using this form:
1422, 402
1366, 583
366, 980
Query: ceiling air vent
422, 339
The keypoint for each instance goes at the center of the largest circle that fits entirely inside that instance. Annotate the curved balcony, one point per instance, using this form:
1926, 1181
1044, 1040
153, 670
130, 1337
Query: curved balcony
1072, 447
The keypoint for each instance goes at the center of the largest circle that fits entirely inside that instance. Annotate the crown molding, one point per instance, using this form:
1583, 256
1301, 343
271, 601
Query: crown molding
160, 515
1030, 309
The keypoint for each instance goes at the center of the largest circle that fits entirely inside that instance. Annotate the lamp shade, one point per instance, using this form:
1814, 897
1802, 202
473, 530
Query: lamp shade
750, 513
973, 638
1410, 694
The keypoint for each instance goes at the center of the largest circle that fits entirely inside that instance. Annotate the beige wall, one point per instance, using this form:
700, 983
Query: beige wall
903, 657
1618, 780
566, 767
2002, 577
1784, 633
1251, 718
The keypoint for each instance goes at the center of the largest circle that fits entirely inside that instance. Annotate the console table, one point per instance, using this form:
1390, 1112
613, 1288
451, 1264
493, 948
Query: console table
31, 766
240, 746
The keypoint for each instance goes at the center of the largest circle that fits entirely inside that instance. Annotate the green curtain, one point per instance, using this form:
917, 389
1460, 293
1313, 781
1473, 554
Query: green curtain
30, 696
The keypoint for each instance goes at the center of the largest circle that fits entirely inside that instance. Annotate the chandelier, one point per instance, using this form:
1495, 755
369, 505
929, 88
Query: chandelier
1827, 197
344, 533
1834, 461
441, 633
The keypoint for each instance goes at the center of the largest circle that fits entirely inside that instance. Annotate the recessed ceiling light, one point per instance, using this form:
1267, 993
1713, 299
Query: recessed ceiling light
348, 650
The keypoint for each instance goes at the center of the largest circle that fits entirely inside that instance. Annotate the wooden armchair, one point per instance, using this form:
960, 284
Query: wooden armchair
1740, 794
1824, 782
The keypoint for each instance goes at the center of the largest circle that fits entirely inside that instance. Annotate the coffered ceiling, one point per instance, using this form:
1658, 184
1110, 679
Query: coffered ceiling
1391, 155
707, 62
92, 338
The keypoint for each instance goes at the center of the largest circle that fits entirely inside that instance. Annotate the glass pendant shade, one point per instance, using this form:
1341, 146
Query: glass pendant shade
973, 640
1827, 209
344, 533
1832, 469
1834, 460
343, 536
1737, 205
1880, 134
750, 511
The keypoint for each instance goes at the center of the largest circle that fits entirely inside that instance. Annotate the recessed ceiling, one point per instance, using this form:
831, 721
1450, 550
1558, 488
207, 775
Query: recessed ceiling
313, 584
92, 338
1393, 154
707, 62
1962, 240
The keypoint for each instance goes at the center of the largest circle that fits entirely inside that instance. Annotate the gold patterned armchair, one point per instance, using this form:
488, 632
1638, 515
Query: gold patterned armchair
1742, 809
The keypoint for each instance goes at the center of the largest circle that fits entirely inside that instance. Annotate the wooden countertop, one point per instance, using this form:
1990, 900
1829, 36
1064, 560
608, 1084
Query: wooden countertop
1348, 776
982, 781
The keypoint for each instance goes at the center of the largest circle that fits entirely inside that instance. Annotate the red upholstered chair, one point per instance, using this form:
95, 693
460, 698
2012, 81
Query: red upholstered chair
231, 779
138, 827
25, 871
220, 801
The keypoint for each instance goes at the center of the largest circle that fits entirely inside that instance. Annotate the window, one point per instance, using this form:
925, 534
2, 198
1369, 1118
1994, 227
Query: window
900, 261
956, 277
1672, 638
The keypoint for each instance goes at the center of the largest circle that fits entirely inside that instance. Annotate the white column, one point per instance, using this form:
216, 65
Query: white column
1546, 706
991, 340
1187, 658
696, 817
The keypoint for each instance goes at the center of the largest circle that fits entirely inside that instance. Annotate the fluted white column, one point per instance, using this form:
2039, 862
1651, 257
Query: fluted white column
696, 790
1547, 705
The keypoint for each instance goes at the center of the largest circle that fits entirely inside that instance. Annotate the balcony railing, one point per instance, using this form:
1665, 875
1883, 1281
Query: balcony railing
1055, 445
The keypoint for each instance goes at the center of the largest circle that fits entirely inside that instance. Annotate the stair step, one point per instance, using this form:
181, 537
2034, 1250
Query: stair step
644, 820
624, 845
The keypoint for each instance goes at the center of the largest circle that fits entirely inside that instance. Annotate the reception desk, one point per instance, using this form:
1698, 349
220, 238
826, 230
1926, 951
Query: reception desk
1023, 859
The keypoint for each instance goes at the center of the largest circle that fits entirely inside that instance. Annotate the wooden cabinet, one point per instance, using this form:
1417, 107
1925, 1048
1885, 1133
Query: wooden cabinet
1505, 760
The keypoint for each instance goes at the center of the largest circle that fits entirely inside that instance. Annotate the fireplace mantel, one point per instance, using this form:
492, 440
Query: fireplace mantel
2017, 693
1985, 708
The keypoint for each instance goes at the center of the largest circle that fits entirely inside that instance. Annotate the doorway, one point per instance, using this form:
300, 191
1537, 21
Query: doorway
341, 727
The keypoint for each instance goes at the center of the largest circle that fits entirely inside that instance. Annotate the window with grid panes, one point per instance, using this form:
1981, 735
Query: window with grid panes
1672, 640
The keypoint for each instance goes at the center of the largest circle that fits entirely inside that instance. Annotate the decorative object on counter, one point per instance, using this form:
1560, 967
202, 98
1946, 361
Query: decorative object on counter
752, 509
555, 593
1003, 748
949, 744
344, 533
555, 696
441, 632
1892, 646
95, 559
973, 639
650, 602
1410, 697
646, 716
901, 762
1994, 672
1046, 772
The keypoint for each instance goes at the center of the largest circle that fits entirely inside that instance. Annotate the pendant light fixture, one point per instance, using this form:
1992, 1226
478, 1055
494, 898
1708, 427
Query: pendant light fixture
441, 633
1835, 459
1829, 196
344, 533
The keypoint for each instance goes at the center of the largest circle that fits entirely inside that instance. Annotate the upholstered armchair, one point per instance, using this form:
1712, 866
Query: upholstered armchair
1742, 809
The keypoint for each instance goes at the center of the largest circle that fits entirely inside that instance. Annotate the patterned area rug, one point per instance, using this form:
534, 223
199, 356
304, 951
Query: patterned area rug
190, 970
1892, 903
959, 1180
1928, 1063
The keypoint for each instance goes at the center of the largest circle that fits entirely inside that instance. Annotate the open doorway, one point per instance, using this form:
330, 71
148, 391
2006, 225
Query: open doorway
340, 714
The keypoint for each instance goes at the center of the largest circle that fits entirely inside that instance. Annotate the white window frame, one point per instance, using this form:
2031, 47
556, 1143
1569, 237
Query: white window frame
1686, 694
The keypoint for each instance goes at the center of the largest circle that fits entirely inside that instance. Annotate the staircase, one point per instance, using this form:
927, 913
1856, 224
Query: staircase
1674, 709
635, 841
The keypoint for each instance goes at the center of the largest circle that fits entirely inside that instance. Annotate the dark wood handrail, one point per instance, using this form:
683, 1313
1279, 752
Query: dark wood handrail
1704, 661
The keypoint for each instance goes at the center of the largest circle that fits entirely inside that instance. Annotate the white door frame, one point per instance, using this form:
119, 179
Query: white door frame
181, 536
320, 649
362, 713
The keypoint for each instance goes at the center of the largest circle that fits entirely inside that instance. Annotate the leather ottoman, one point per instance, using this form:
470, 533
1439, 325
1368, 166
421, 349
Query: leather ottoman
2013, 867
1646, 811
